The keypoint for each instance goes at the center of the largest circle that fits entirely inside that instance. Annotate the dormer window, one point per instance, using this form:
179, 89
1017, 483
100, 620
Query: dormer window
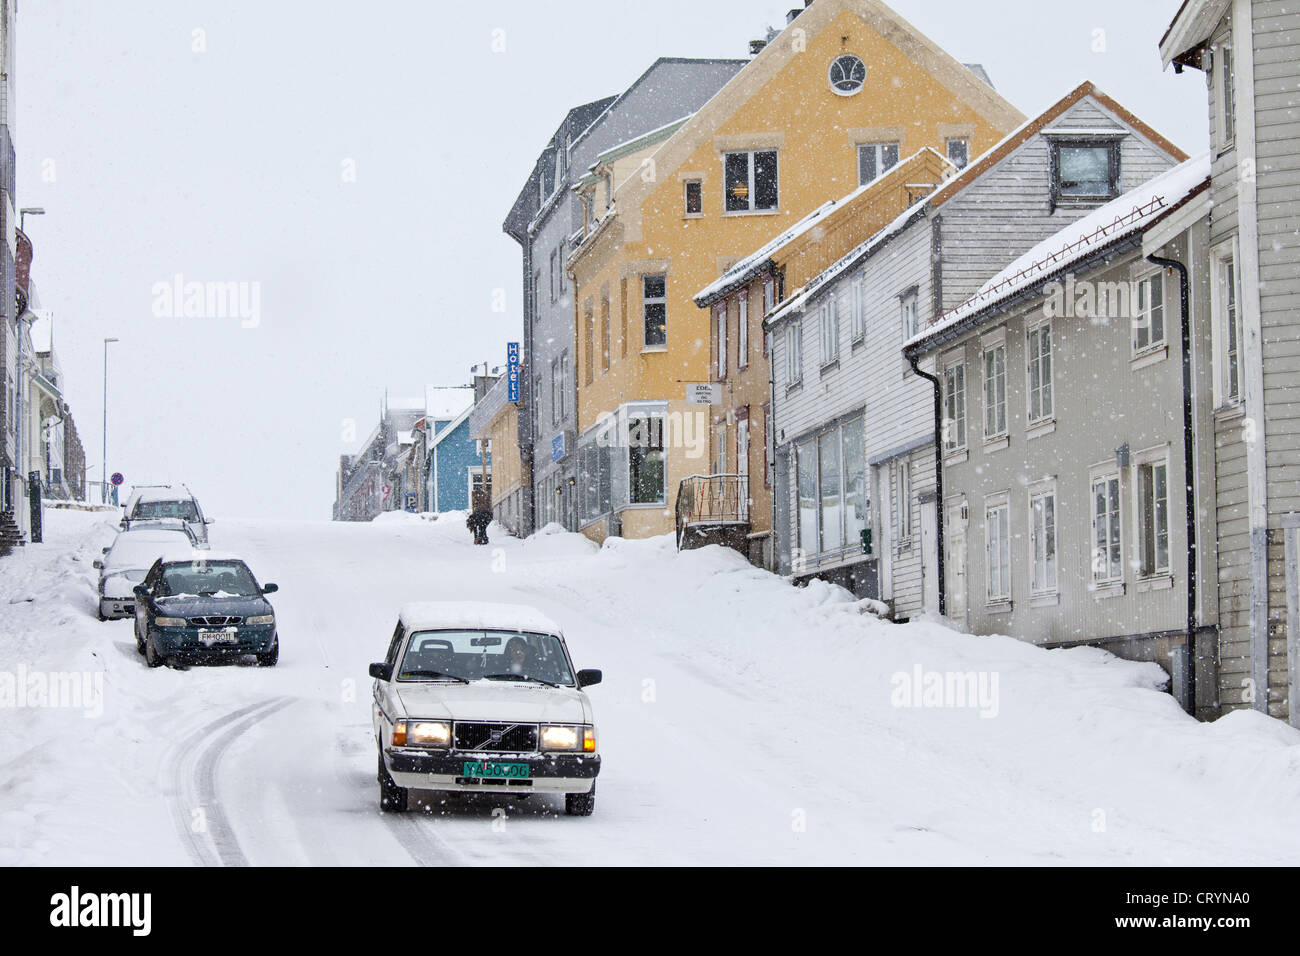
1085, 170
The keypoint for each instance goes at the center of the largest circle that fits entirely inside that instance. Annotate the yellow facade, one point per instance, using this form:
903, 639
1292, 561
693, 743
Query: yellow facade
914, 94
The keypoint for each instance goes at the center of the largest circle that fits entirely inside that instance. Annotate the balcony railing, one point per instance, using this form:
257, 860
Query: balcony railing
711, 501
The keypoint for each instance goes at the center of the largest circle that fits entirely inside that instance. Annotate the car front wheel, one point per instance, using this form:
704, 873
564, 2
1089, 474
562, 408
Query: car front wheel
580, 804
151, 655
271, 657
392, 798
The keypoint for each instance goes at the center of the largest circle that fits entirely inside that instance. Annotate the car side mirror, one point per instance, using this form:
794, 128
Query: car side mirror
103, 550
270, 588
588, 677
97, 564
381, 671
140, 591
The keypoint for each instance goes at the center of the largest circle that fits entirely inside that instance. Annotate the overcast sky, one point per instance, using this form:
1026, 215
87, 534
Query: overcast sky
225, 155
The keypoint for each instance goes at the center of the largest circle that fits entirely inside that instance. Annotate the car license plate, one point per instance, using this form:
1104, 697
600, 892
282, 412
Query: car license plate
225, 636
495, 768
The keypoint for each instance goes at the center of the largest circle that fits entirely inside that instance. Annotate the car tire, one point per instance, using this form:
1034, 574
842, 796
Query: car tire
151, 655
101, 614
580, 804
392, 798
271, 657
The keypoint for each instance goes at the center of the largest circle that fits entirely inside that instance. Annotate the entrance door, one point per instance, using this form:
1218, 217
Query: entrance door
930, 556
954, 546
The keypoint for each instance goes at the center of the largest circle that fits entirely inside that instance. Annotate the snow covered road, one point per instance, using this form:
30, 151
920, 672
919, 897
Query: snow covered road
742, 721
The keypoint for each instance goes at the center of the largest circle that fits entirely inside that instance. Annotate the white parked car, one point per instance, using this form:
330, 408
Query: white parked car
154, 502
129, 559
483, 698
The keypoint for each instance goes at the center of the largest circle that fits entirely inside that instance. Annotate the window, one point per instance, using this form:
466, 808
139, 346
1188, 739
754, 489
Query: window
720, 448
1107, 553
720, 328
565, 379
997, 549
832, 490
589, 345
794, 353
953, 388
847, 73
829, 321
557, 389
537, 295
1225, 89
875, 159
554, 271
1149, 314
654, 304
694, 197
742, 330
1227, 324
595, 480
806, 486
1153, 517
959, 152
1084, 171
604, 332
645, 460
1039, 351
828, 463
767, 444
903, 490
1042, 539
859, 308
911, 316
995, 391
750, 181
742, 445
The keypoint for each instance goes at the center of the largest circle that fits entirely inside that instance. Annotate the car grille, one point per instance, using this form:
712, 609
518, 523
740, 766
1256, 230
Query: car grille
496, 737
215, 621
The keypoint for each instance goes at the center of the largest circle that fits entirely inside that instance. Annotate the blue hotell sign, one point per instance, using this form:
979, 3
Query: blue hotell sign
512, 371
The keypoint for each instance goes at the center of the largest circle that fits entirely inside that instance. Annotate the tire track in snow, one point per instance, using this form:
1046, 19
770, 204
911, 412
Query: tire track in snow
193, 769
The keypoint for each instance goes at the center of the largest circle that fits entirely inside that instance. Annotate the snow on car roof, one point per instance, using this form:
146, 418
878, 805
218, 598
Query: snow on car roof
141, 551
480, 615
162, 494
208, 556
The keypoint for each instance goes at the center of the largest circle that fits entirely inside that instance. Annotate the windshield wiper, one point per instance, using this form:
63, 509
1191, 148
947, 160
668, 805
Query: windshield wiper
406, 674
519, 677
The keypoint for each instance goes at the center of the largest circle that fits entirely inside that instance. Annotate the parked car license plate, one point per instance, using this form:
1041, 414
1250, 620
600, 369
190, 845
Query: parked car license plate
225, 636
496, 768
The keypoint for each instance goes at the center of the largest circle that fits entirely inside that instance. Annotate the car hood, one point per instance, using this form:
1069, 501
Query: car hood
494, 700
187, 606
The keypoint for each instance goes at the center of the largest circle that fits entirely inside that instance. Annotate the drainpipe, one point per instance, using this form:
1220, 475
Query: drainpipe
1189, 471
769, 456
938, 473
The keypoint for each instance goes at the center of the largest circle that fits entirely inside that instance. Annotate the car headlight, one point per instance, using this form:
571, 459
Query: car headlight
260, 619
578, 739
169, 621
422, 733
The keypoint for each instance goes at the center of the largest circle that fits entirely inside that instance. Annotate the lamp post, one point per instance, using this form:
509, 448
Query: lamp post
22, 215
103, 473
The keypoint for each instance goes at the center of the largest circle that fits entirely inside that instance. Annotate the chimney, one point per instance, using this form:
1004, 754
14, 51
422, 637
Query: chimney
756, 47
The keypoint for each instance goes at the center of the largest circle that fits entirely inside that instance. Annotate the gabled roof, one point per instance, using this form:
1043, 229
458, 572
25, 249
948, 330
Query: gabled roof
1129, 214
1191, 28
1019, 136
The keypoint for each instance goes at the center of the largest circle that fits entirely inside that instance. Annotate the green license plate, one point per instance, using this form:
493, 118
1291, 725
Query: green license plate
494, 768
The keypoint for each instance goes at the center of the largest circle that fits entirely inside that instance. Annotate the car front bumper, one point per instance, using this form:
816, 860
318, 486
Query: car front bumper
189, 643
445, 770
115, 607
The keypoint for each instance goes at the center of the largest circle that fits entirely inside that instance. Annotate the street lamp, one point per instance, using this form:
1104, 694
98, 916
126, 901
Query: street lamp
103, 474
22, 213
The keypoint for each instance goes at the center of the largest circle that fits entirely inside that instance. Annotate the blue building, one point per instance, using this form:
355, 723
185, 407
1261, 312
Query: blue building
454, 467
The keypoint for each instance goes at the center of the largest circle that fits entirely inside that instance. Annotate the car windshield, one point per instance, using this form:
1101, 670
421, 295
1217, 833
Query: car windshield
485, 655
208, 579
184, 510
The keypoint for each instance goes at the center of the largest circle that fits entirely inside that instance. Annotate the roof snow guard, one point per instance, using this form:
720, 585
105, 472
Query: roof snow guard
1129, 214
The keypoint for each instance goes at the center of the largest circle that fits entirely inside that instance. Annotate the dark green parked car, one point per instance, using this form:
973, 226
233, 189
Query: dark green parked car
210, 609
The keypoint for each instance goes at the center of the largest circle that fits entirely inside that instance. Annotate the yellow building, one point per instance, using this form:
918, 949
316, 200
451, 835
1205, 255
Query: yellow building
844, 91
732, 504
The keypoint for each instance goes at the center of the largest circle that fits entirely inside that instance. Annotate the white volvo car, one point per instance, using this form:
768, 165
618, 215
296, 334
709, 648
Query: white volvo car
483, 698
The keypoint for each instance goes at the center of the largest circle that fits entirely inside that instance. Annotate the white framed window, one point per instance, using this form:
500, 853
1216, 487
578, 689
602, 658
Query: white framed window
742, 329
694, 197
910, 313
1226, 320
769, 295
846, 75
875, 159
1225, 126
1107, 527
645, 457
794, 353
953, 391
564, 384
1038, 349
958, 151
903, 495
742, 444
750, 181
993, 361
478, 482
1042, 538
829, 323
1151, 511
859, 307
720, 326
720, 448
1149, 313
997, 548
654, 310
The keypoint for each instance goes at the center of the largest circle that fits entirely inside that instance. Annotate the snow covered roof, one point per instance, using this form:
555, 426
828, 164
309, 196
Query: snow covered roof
1131, 213
475, 615
404, 404
442, 403
753, 263
405, 438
